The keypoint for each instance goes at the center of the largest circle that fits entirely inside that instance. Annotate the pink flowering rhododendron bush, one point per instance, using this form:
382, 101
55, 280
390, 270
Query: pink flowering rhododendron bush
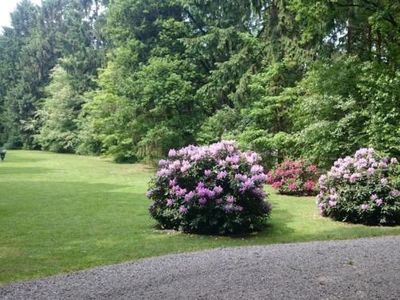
362, 189
294, 178
210, 189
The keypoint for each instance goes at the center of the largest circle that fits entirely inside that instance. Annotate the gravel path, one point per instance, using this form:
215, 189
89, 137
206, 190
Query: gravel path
353, 269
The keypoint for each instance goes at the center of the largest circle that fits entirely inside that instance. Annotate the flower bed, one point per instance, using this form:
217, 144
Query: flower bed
211, 189
294, 178
362, 189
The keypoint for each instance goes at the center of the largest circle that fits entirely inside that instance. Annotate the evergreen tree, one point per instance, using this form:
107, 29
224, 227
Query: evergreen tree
59, 114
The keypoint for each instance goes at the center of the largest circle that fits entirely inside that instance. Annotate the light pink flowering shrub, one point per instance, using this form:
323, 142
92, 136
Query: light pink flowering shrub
363, 189
294, 178
210, 189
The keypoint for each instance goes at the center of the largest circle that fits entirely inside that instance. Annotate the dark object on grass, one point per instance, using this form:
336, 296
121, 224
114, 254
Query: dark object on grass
3, 154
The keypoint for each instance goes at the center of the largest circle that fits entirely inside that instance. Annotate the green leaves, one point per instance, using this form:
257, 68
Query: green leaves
298, 78
59, 113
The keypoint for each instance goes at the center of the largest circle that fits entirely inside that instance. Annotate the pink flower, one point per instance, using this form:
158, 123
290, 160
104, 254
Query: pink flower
332, 203
333, 197
361, 163
322, 180
202, 192
259, 178
221, 175
218, 190
241, 177
246, 185
361, 153
292, 186
172, 183
251, 157
228, 207
185, 166
364, 207
163, 163
256, 169
172, 153
189, 196
322, 208
170, 202
202, 201
238, 208
163, 172
382, 165
222, 163
370, 171
395, 193
183, 210
277, 184
207, 172
379, 202
235, 159
354, 177
230, 199
270, 178
179, 192
312, 168
309, 185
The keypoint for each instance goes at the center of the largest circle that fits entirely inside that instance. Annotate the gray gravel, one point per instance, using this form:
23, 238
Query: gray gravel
353, 269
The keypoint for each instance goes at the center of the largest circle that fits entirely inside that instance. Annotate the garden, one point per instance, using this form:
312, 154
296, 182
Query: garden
132, 128
61, 213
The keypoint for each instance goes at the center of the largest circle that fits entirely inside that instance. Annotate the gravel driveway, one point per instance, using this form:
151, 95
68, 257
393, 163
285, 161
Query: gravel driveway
353, 269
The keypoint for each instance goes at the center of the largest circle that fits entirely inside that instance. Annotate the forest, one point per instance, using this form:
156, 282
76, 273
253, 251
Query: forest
130, 79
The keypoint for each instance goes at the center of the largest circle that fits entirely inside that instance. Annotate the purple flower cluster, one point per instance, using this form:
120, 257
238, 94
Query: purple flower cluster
204, 178
359, 188
227, 160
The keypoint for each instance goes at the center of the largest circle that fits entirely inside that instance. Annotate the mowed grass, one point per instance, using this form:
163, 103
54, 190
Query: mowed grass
61, 213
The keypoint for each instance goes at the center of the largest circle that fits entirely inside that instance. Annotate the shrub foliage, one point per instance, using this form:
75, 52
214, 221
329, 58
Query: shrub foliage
210, 189
362, 189
294, 178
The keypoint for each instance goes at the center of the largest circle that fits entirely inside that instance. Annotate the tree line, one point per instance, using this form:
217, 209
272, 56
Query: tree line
315, 79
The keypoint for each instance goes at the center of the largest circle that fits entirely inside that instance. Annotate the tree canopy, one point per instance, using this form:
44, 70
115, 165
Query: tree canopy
132, 78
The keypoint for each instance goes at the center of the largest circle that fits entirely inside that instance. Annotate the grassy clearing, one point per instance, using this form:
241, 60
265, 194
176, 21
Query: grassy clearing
61, 213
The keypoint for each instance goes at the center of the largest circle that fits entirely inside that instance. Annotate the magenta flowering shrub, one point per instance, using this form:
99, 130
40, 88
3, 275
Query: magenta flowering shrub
294, 178
363, 189
210, 189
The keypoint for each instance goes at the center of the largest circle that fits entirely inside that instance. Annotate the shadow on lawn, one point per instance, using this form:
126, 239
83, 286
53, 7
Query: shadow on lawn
72, 198
15, 157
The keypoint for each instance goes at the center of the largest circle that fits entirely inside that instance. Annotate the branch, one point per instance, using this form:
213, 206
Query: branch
191, 17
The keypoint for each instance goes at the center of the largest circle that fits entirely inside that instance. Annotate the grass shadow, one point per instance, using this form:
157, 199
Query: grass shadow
15, 157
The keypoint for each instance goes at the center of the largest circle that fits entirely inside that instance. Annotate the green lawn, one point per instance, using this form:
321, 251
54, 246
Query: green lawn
61, 213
